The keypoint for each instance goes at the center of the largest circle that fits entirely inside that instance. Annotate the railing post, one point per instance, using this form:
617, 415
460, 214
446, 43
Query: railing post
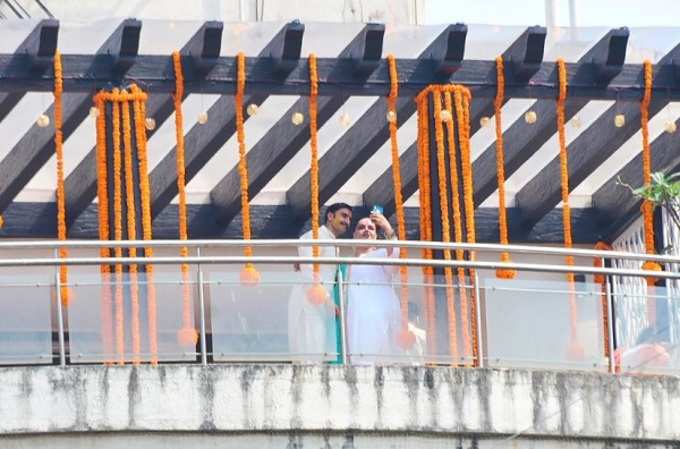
201, 303
60, 316
610, 320
480, 343
343, 323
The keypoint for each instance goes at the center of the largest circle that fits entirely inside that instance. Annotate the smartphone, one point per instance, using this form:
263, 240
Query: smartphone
377, 209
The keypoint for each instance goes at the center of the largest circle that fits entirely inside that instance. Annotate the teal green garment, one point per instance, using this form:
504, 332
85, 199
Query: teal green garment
335, 330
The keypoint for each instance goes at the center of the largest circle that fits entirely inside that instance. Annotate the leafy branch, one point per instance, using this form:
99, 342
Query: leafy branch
663, 191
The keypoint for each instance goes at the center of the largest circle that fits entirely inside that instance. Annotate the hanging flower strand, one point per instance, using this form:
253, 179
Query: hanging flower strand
647, 207
502, 273
118, 230
187, 335
406, 338
61, 196
249, 275
316, 294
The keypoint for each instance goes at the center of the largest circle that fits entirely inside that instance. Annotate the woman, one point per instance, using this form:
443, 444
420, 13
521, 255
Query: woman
372, 305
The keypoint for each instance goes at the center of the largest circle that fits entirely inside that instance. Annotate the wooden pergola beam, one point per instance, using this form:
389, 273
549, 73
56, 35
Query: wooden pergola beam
203, 141
81, 185
36, 51
36, 147
615, 204
523, 140
362, 140
522, 59
284, 140
38, 220
587, 152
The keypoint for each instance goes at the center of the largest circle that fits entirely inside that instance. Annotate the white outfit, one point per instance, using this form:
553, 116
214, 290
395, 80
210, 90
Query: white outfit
311, 327
373, 315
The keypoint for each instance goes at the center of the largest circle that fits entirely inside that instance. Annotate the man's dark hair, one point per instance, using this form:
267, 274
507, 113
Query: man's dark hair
333, 208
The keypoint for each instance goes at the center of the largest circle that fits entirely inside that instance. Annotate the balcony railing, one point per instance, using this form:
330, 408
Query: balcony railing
207, 314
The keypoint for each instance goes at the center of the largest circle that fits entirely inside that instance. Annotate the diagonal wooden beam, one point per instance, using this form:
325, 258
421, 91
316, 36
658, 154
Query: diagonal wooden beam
36, 51
369, 133
523, 140
590, 149
202, 51
284, 140
37, 145
203, 141
615, 204
522, 59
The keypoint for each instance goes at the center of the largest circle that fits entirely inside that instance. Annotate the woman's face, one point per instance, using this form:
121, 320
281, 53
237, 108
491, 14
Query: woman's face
365, 230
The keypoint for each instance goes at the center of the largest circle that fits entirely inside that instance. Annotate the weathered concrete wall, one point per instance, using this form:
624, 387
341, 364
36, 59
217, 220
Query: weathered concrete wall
335, 399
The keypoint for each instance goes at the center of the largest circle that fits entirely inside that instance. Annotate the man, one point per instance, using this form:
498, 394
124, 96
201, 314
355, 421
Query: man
311, 328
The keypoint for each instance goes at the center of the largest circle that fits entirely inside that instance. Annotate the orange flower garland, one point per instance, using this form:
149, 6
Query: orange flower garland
647, 207
131, 231
424, 216
604, 305
249, 275
316, 294
144, 188
406, 338
187, 335
446, 231
103, 198
61, 196
118, 234
503, 273
575, 350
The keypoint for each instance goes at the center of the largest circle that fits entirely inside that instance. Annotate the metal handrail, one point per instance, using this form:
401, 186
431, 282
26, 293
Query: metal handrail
341, 243
192, 260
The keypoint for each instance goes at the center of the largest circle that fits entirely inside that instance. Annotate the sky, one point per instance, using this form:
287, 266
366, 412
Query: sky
610, 13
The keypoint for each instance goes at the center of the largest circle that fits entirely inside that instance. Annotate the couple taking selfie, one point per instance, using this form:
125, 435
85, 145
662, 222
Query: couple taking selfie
372, 307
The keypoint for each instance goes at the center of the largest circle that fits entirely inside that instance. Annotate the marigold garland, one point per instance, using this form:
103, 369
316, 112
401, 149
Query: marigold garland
446, 231
61, 197
604, 304
575, 350
502, 273
103, 198
139, 107
316, 294
428, 295
187, 335
406, 338
132, 232
647, 207
118, 234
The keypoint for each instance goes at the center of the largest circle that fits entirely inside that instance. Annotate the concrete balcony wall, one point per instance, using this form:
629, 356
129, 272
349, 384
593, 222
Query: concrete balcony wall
277, 404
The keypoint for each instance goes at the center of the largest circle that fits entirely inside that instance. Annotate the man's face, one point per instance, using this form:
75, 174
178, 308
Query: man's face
365, 230
338, 222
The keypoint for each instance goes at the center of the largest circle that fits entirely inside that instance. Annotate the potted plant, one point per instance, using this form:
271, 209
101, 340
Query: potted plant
663, 191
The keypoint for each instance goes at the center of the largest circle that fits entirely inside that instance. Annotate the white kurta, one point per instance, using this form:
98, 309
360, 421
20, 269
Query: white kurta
311, 327
373, 315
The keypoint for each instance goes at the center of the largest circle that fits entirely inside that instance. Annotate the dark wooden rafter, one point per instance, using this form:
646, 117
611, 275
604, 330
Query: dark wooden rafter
615, 204
203, 141
284, 140
36, 51
200, 54
38, 220
361, 141
587, 152
522, 59
36, 147
521, 140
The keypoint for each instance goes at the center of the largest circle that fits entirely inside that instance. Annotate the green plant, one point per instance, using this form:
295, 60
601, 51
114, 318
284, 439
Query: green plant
663, 191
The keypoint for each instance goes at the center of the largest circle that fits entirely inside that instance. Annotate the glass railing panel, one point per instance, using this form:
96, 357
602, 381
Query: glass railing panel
26, 320
647, 328
111, 315
543, 324
429, 319
278, 319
